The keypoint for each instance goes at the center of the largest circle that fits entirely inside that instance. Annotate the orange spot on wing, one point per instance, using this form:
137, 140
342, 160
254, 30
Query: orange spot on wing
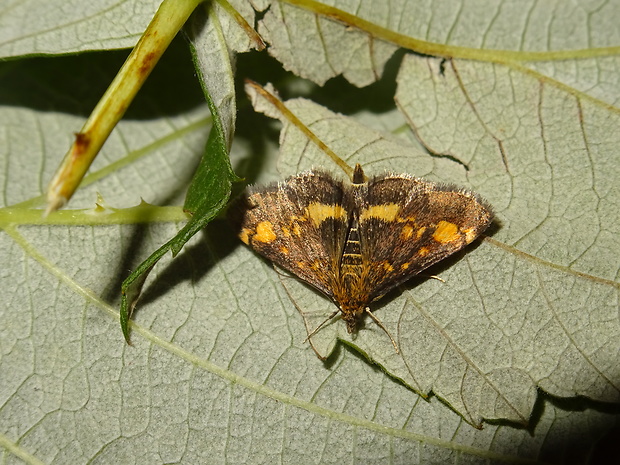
470, 234
265, 232
385, 212
407, 232
446, 232
319, 212
244, 235
387, 267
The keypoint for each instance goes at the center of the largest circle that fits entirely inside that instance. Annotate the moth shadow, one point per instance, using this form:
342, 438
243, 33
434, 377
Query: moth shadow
194, 262
132, 252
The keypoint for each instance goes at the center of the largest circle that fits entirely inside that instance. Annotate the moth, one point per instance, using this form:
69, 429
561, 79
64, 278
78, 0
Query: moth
356, 241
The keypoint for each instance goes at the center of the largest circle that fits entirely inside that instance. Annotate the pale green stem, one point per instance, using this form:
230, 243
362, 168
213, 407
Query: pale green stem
168, 20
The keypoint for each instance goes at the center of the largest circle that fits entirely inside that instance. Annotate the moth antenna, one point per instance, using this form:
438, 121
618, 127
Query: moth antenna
316, 330
378, 321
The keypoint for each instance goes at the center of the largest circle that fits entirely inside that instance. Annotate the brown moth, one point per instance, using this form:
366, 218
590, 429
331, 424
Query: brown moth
356, 241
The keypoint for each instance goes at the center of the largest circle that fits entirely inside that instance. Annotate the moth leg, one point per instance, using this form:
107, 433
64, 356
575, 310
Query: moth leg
380, 324
316, 330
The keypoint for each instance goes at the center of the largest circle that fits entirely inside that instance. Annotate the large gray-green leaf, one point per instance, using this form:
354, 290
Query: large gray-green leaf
222, 373
33, 27
320, 40
531, 293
